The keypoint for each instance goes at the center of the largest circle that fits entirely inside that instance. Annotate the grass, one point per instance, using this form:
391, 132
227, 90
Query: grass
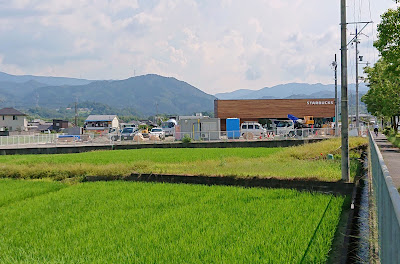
122, 222
307, 161
394, 139
15, 190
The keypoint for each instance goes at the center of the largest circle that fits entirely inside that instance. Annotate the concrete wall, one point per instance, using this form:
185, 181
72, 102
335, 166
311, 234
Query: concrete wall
86, 148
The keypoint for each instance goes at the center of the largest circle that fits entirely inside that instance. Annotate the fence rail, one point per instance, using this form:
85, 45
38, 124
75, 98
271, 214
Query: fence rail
195, 136
22, 140
388, 207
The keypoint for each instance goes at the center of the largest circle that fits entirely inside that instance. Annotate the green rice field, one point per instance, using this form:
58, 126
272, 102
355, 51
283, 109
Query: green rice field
307, 161
131, 222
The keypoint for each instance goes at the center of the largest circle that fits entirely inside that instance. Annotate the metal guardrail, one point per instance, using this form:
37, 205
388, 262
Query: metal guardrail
388, 207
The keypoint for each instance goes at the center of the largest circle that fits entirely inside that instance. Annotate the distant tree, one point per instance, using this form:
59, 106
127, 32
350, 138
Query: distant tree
127, 118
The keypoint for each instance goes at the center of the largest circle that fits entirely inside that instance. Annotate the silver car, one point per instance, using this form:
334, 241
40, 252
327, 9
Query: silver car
158, 131
128, 133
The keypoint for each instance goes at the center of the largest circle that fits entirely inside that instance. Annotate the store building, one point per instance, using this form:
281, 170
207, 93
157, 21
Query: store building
323, 110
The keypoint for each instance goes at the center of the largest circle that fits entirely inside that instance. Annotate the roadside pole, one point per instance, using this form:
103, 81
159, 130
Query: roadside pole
344, 99
357, 106
336, 99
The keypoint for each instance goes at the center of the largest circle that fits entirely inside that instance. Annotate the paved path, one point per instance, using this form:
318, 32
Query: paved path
391, 156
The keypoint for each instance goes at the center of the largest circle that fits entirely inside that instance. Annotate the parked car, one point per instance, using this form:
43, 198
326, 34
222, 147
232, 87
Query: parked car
158, 131
128, 133
254, 128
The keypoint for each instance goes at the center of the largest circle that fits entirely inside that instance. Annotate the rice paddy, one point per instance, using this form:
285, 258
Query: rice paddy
130, 222
307, 161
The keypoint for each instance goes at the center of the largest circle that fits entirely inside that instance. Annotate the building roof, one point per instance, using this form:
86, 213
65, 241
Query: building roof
45, 127
9, 111
94, 118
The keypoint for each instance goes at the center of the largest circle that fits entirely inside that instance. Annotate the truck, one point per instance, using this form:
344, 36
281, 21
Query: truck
169, 127
285, 128
295, 126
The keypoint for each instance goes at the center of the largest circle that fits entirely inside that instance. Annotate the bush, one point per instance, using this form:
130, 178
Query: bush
387, 131
186, 139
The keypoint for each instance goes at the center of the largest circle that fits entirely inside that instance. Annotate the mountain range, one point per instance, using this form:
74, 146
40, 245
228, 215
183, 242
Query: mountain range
147, 94
289, 91
47, 80
142, 95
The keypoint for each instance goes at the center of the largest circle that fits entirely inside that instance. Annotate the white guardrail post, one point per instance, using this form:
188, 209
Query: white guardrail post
388, 207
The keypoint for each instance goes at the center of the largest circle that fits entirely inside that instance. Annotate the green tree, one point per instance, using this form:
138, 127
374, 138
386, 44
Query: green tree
383, 97
388, 42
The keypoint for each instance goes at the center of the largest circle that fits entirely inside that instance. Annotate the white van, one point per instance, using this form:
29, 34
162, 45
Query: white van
254, 128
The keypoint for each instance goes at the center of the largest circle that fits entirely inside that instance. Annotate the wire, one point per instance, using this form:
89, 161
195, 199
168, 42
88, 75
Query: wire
369, 6
374, 51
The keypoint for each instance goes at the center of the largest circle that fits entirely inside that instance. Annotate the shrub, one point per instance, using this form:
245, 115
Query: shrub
186, 139
387, 131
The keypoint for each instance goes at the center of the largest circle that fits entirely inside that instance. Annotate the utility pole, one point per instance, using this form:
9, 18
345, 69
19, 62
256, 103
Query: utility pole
344, 99
355, 40
357, 106
76, 114
334, 64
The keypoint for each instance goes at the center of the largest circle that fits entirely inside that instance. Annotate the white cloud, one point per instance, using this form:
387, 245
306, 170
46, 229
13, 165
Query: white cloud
214, 45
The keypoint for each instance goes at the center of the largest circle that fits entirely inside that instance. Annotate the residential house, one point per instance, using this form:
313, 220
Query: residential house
58, 124
38, 125
101, 122
12, 120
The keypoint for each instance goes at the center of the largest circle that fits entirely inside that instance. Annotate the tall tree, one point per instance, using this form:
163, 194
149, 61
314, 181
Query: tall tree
388, 43
383, 97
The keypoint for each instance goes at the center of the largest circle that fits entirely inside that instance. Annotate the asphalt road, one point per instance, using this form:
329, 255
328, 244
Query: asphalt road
391, 156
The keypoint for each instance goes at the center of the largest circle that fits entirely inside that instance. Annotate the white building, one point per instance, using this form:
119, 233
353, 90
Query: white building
12, 120
101, 122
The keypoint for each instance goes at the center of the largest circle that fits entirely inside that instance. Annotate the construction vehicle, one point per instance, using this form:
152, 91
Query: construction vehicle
294, 126
308, 120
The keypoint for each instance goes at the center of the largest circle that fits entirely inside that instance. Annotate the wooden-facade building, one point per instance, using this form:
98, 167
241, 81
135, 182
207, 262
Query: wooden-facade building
256, 109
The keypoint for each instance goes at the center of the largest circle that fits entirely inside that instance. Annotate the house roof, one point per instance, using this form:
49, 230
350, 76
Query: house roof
45, 127
94, 118
9, 111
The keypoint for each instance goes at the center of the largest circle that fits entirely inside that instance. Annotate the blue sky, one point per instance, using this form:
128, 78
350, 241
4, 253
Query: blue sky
217, 46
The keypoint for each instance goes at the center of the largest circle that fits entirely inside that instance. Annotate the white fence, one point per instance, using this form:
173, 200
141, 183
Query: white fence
26, 140
195, 136
253, 136
388, 207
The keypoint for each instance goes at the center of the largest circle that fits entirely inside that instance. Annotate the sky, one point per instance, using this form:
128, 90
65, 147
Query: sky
216, 46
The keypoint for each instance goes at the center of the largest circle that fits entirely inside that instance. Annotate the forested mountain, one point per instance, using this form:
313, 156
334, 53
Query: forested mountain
146, 95
5, 77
